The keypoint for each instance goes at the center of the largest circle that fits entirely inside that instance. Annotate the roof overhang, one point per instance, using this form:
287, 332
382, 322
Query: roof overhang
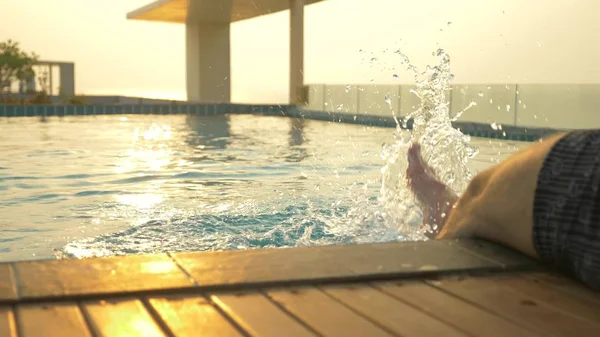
206, 11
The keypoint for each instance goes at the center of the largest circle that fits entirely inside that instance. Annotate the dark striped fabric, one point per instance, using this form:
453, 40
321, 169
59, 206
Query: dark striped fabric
566, 214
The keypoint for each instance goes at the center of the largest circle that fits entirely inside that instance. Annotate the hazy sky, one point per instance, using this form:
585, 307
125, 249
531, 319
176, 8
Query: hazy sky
524, 41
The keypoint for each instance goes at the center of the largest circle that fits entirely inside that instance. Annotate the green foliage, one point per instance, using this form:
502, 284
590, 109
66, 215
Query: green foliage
15, 64
40, 98
78, 100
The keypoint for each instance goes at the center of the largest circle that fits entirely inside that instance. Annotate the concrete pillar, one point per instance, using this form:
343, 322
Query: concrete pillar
31, 85
297, 92
50, 80
208, 62
67, 79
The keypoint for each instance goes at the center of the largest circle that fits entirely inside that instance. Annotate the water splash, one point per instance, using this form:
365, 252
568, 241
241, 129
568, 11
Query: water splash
444, 148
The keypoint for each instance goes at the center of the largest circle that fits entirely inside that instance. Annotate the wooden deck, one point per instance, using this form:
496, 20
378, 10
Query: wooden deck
434, 288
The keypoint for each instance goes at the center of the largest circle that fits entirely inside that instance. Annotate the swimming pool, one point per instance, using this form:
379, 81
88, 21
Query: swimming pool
83, 186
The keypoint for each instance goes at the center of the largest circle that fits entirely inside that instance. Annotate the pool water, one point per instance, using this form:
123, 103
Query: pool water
111, 185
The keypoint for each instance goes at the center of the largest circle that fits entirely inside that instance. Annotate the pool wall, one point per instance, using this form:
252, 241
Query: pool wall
373, 119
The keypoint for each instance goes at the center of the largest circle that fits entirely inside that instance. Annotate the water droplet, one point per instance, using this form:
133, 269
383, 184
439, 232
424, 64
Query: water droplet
534, 116
348, 88
372, 80
339, 107
388, 100
504, 133
449, 23
354, 117
491, 101
489, 87
373, 59
524, 106
494, 125
539, 44
508, 107
395, 76
480, 94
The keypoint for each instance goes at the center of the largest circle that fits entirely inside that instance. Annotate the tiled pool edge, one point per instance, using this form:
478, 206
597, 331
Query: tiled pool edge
470, 128
32, 281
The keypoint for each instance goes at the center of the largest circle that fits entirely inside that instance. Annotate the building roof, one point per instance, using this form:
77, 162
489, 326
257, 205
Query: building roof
206, 11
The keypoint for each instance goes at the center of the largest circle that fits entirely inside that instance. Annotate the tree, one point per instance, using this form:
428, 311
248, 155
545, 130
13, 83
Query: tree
15, 64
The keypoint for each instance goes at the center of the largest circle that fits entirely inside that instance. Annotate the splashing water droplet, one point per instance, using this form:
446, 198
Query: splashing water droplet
444, 147
480, 94
339, 107
508, 107
388, 100
348, 88
494, 125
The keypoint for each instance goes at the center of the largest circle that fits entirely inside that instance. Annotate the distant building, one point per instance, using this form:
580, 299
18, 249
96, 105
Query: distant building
208, 59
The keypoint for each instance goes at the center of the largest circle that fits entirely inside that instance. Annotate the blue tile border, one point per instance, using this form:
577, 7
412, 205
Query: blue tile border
473, 129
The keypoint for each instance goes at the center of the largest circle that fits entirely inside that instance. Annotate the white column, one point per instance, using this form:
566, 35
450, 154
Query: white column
208, 63
296, 51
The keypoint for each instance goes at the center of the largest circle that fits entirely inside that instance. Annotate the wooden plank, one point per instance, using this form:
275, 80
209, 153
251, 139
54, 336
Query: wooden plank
554, 297
570, 286
8, 290
391, 313
7, 322
258, 316
192, 316
348, 262
324, 314
121, 318
506, 257
519, 308
57, 319
452, 310
103, 275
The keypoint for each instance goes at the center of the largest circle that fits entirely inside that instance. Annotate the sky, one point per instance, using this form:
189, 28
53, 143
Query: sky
489, 41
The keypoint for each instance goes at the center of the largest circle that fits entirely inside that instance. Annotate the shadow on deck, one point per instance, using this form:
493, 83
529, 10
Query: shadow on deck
433, 288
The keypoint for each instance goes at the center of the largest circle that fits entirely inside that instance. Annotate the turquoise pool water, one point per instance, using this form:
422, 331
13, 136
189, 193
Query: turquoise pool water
110, 185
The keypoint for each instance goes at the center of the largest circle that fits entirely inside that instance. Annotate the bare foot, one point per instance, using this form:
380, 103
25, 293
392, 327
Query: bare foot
436, 199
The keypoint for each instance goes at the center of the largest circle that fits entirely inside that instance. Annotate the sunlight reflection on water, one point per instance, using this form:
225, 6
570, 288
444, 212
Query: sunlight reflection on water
105, 185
